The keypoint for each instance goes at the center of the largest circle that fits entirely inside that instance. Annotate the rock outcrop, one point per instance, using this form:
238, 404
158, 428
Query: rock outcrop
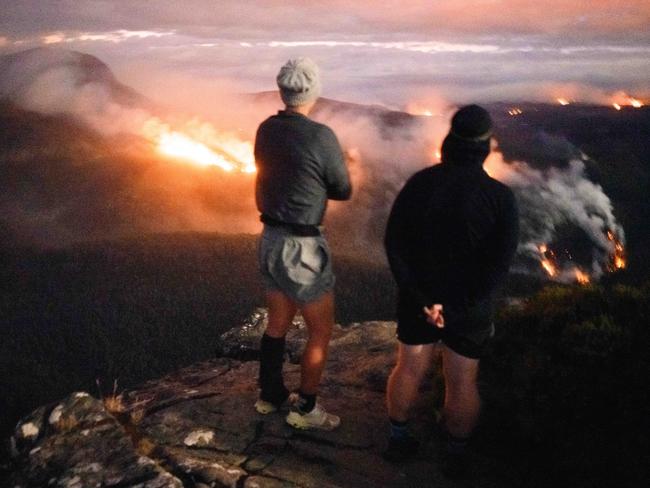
197, 427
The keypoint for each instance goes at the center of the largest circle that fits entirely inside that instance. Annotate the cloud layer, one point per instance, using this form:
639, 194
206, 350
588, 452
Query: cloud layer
580, 19
388, 53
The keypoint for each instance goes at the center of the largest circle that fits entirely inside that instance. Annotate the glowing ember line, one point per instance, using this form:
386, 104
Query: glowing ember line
177, 145
549, 267
618, 260
557, 269
548, 263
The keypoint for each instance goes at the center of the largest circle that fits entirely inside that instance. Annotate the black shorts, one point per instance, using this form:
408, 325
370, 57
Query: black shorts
467, 330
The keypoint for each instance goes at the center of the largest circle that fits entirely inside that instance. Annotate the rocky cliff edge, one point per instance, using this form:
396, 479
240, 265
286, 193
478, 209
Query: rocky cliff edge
198, 428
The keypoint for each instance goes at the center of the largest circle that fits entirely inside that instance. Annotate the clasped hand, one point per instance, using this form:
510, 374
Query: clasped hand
434, 315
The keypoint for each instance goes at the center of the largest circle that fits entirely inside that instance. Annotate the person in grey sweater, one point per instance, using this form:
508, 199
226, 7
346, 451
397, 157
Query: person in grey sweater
300, 165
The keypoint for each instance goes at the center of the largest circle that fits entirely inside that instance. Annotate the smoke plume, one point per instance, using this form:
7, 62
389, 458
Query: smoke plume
551, 200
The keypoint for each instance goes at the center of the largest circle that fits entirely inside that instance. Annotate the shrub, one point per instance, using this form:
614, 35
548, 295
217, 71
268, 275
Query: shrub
568, 371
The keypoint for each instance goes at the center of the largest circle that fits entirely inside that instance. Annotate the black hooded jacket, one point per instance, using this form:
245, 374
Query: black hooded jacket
453, 230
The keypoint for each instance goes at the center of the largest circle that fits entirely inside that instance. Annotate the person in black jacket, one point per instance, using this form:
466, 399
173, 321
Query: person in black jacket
450, 238
300, 166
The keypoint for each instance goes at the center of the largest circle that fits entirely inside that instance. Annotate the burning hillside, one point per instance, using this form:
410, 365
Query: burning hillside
618, 100
561, 266
130, 169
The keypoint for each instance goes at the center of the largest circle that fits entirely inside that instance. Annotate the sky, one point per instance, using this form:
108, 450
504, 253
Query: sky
393, 53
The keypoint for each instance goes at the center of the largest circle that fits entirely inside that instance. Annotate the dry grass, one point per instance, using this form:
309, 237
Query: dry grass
145, 447
113, 402
136, 415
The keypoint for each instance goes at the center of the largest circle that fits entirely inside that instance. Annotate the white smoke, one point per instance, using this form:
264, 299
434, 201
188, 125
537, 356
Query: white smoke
383, 149
552, 198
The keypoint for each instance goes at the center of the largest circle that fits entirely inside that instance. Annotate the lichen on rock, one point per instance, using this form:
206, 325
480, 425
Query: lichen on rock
199, 438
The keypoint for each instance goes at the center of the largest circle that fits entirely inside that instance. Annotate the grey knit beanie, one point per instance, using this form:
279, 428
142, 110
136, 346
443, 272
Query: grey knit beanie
299, 82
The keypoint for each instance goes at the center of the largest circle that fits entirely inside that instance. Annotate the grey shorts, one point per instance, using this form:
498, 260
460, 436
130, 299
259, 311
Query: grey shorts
300, 267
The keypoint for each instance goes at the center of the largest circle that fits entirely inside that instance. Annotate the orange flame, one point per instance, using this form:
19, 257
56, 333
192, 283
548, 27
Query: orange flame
415, 108
582, 277
549, 267
563, 101
547, 262
180, 146
202, 145
621, 99
618, 260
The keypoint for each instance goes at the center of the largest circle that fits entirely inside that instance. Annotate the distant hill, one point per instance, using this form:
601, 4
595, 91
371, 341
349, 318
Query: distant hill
47, 78
379, 114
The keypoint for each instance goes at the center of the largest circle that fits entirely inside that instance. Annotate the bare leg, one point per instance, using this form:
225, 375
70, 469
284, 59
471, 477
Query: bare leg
319, 317
281, 312
462, 401
413, 362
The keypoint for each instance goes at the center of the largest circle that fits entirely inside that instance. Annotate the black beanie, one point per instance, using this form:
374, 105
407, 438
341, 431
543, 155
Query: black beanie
472, 123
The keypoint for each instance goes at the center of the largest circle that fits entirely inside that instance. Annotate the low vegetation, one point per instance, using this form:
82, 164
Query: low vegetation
566, 386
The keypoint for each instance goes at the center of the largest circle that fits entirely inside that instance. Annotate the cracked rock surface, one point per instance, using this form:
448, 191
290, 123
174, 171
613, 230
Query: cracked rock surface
198, 428
77, 443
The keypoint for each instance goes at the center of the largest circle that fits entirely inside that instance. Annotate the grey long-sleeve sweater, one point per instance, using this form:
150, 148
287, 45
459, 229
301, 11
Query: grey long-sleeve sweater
300, 166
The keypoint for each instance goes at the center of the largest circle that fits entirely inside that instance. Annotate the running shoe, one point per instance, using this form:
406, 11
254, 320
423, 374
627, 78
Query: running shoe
317, 419
264, 407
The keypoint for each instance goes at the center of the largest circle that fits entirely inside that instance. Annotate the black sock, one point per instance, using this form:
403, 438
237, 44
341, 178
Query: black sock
397, 423
306, 403
398, 429
270, 378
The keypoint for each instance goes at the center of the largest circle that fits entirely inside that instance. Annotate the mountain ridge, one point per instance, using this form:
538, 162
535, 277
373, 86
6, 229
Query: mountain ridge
19, 72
